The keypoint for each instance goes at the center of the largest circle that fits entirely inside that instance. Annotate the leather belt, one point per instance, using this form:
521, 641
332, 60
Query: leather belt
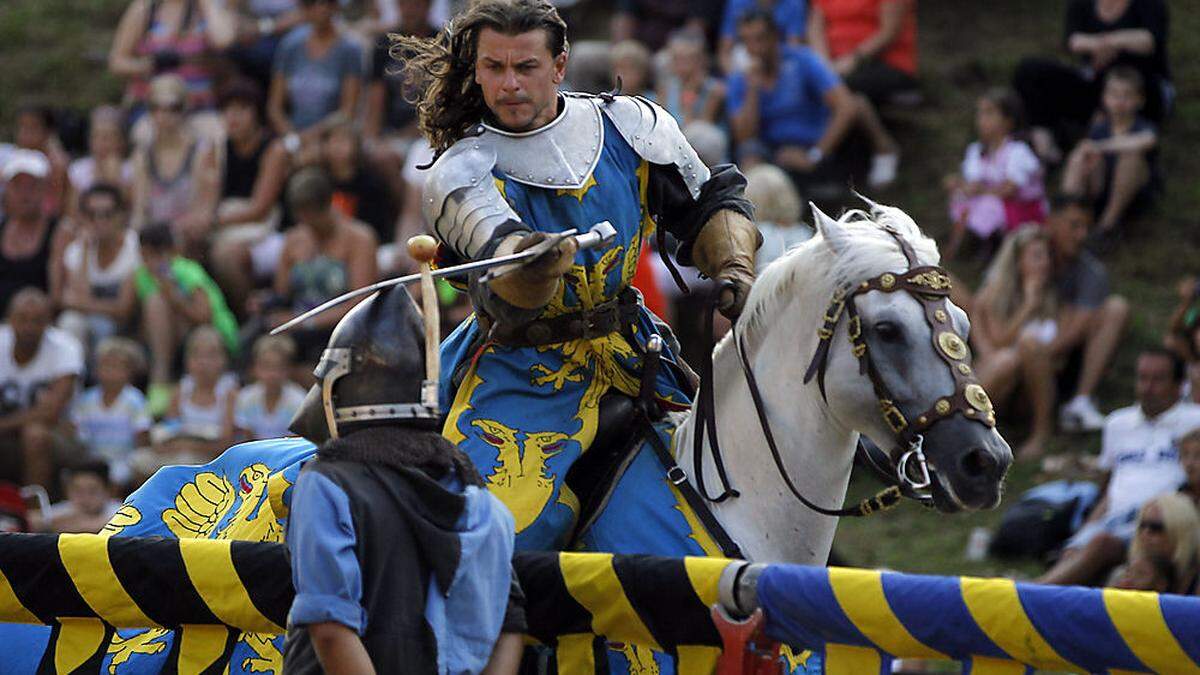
613, 316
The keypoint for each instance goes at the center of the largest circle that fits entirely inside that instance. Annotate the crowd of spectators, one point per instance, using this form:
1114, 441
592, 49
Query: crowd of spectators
265, 157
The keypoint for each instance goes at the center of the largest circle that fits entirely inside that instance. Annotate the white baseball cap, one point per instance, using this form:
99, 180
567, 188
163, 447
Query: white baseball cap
30, 162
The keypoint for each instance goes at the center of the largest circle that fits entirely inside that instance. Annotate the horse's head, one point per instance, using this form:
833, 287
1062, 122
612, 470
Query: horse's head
893, 363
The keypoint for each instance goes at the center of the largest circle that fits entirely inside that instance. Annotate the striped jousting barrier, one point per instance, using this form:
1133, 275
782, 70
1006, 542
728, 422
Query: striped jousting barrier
210, 601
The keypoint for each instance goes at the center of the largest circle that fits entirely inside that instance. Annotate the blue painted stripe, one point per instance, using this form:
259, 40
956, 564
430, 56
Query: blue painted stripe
932, 609
802, 610
1184, 621
1075, 622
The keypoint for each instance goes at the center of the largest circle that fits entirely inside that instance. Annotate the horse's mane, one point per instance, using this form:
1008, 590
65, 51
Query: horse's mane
847, 251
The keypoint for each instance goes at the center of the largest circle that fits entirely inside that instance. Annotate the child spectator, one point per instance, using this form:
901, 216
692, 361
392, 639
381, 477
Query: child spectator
631, 65
265, 408
89, 504
1016, 318
199, 421
688, 91
778, 211
176, 295
360, 190
1117, 164
1001, 185
110, 419
107, 160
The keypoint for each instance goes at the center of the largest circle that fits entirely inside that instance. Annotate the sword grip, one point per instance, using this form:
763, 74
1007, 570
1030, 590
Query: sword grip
601, 234
423, 248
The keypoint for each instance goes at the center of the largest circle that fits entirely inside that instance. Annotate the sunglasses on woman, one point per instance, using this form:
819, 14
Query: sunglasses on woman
1152, 526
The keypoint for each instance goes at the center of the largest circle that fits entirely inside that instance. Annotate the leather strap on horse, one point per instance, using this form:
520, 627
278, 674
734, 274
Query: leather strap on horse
706, 409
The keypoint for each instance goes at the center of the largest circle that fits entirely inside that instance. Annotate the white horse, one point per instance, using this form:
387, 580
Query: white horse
817, 434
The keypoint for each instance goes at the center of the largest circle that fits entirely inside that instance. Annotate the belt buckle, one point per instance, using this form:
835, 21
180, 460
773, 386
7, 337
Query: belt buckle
676, 476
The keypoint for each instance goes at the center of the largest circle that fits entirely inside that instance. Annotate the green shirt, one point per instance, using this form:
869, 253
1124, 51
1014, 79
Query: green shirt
190, 275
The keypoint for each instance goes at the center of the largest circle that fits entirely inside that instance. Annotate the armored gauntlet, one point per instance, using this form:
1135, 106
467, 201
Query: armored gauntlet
724, 250
533, 284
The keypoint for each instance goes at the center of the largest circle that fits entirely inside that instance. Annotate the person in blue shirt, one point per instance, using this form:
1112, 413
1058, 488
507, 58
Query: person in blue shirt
789, 108
790, 15
401, 560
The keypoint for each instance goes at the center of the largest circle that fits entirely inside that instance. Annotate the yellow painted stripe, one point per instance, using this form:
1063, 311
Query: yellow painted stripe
85, 557
704, 573
996, 608
1118, 671
11, 609
860, 593
78, 640
851, 660
592, 581
984, 665
210, 568
1139, 619
698, 659
574, 654
200, 647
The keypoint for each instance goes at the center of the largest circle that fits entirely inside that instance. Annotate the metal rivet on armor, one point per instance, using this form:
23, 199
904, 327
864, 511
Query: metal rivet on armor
922, 420
942, 407
964, 369
476, 146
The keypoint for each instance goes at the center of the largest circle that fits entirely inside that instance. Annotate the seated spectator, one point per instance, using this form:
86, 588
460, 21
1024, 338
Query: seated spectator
360, 190
1117, 164
324, 255
1183, 329
1168, 526
110, 418
171, 37
261, 26
265, 409
316, 78
632, 66
1060, 99
29, 235
650, 22
39, 368
1189, 461
1015, 320
778, 212
1146, 573
687, 90
35, 130
167, 176
176, 296
367, 20
389, 115
871, 44
1093, 320
107, 160
1001, 185
790, 15
89, 504
198, 425
246, 178
1140, 452
89, 281
794, 108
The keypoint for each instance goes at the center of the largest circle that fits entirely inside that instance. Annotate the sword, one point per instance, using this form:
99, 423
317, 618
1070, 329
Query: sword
601, 234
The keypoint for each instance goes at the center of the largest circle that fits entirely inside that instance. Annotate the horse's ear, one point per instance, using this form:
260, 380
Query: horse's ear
829, 228
872, 206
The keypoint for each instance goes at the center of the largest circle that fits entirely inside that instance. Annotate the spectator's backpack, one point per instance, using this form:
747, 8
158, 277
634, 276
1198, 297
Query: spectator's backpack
1043, 519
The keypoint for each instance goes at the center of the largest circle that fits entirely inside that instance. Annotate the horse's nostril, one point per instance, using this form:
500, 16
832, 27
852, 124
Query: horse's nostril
978, 463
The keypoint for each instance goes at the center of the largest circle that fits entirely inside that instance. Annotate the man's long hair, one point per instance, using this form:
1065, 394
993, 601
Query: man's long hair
443, 67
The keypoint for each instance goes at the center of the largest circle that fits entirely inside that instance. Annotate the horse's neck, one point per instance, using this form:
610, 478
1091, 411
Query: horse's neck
767, 521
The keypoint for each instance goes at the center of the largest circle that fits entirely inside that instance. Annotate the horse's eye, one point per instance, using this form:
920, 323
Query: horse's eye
888, 332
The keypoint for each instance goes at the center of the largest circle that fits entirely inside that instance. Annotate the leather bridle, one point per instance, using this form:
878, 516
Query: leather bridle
930, 286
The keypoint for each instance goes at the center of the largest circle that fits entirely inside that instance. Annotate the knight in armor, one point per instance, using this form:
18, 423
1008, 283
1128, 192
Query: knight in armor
400, 559
518, 161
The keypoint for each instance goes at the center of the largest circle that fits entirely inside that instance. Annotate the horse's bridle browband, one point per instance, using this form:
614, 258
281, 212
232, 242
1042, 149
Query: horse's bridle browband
930, 286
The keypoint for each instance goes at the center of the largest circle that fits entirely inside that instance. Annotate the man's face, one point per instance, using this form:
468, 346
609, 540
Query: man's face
1155, 387
24, 195
1068, 230
519, 78
760, 39
29, 319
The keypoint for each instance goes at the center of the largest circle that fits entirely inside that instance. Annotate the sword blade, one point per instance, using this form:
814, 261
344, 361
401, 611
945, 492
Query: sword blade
396, 281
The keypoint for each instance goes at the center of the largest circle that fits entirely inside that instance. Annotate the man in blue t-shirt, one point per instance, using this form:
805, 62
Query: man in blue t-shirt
791, 109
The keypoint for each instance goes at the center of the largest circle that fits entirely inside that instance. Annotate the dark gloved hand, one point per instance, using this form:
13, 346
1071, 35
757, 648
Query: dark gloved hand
166, 60
724, 250
534, 283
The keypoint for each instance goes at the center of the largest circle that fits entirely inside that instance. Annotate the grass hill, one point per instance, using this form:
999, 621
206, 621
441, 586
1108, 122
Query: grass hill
55, 52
